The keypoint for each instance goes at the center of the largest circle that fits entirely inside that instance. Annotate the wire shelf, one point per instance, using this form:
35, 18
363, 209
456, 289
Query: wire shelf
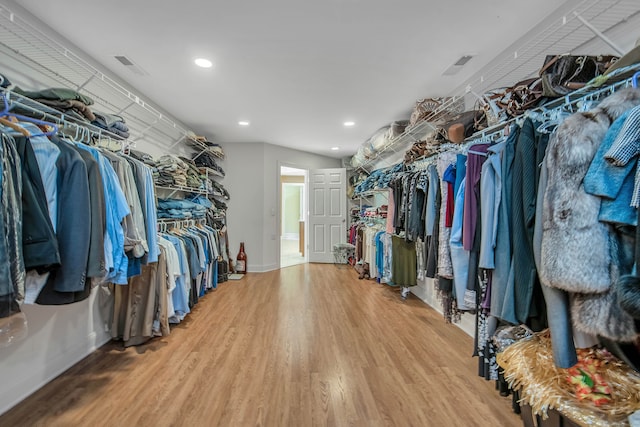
561, 32
180, 189
30, 47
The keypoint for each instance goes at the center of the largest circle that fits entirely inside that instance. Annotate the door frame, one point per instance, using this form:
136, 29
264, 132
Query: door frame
279, 165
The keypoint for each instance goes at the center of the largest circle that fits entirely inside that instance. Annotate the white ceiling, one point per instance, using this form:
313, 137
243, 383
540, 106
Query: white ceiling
296, 69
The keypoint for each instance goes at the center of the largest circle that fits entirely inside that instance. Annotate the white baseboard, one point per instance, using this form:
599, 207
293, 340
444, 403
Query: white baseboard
37, 378
427, 293
252, 268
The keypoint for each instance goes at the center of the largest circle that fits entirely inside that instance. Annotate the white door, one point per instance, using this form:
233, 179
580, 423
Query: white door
327, 212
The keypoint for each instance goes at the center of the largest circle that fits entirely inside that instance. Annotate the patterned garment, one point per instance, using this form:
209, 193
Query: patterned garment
486, 356
13, 287
445, 267
420, 247
388, 259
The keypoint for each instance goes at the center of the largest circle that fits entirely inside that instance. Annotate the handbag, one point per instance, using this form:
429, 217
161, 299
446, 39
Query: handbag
522, 96
463, 125
562, 74
434, 108
420, 150
490, 102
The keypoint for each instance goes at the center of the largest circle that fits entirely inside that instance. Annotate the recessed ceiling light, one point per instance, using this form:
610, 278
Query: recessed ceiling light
243, 123
335, 148
349, 124
204, 63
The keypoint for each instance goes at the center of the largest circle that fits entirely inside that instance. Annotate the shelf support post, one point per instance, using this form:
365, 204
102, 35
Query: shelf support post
86, 82
599, 34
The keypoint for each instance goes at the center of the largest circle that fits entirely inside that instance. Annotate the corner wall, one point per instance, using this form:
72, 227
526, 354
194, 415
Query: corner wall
244, 169
253, 180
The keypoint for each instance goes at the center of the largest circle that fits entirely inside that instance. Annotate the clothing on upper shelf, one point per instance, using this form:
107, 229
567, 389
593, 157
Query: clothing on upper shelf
208, 159
199, 142
55, 94
70, 102
70, 106
111, 122
194, 176
171, 171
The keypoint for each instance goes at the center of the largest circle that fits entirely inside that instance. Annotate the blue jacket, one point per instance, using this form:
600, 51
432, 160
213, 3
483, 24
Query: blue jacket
614, 184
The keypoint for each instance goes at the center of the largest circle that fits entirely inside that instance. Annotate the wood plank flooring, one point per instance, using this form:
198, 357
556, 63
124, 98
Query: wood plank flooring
309, 345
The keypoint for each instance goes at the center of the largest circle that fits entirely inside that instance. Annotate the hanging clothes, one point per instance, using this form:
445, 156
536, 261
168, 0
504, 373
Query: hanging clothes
445, 164
404, 262
116, 210
73, 230
502, 303
570, 235
12, 287
529, 153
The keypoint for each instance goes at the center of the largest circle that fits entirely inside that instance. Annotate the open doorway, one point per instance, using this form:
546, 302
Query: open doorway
293, 202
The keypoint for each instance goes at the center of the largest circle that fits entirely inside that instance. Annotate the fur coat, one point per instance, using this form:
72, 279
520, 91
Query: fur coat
577, 250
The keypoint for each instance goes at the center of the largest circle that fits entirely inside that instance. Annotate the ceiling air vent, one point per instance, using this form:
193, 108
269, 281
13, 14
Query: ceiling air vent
130, 65
457, 66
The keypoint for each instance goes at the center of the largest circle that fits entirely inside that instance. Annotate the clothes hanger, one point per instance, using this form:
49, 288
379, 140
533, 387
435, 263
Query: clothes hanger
5, 112
14, 126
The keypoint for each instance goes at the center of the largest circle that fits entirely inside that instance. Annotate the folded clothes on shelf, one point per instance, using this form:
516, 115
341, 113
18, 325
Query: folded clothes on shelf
72, 103
143, 157
219, 190
378, 179
5, 83
172, 171
201, 142
180, 209
111, 122
69, 104
194, 176
219, 204
56, 94
207, 159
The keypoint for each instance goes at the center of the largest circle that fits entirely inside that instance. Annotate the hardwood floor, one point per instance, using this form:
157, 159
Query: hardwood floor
309, 345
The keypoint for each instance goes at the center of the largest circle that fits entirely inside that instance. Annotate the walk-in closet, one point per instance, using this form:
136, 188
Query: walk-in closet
306, 213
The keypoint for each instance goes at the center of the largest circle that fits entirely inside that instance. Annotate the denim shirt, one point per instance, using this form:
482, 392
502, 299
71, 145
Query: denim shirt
117, 209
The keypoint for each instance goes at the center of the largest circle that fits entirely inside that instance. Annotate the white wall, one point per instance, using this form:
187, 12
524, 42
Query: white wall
244, 168
58, 337
291, 200
426, 291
